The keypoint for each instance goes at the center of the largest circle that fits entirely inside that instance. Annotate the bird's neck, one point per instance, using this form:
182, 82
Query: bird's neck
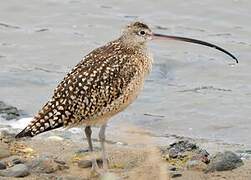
130, 43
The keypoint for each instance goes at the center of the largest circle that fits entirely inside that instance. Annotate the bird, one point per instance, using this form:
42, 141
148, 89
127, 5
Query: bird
102, 84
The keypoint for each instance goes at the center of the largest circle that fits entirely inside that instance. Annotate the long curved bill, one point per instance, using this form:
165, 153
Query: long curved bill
195, 41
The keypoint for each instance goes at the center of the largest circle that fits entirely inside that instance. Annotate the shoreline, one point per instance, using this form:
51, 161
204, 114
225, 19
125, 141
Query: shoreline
129, 158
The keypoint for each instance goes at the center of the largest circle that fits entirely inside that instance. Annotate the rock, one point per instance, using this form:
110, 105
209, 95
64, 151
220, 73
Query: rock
179, 153
182, 146
4, 151
88, 163
12, 160
173, 153
85, 163
197, 165
172, 168
224, 161
175, 174
19, 170
8, 112
179, 149
2, 166
59, 162
203, 156
44, 166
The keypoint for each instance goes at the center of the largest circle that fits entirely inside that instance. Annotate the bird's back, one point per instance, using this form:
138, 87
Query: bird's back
105, 82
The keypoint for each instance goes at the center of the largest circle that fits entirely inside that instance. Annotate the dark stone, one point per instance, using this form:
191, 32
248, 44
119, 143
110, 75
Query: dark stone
172, 168
204, 156
178, 149
19, 170
173, 153
175, 174
224, 161
60, 162
8, 112
182, 146
181, 149
2, 166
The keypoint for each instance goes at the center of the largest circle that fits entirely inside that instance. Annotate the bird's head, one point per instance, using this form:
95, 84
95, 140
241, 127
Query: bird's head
138, 33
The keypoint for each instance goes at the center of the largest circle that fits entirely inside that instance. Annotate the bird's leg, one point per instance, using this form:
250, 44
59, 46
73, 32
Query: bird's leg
88, 133
102, 141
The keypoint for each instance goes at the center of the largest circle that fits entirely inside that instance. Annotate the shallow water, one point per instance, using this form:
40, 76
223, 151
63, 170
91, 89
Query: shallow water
192, 91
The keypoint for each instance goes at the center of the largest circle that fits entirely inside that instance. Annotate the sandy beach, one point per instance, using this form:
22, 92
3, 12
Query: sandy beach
131, 158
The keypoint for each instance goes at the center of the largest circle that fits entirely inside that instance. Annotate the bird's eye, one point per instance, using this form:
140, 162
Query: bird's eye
142, 33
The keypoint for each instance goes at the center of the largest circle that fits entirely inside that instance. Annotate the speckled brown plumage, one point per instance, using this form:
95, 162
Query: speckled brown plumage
104, 83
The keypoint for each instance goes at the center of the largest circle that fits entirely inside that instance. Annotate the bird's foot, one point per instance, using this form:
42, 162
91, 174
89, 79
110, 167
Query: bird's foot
105, 164
96, 170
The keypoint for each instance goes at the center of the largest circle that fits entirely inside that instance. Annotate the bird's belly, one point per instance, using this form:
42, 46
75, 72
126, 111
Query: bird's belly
118, 105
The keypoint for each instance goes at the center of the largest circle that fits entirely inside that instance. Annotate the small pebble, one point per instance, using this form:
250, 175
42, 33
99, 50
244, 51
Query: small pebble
84, 164
19, 170
2, 166
12, 160
60, 162
175, 174
88, 163
173, 153
172, 168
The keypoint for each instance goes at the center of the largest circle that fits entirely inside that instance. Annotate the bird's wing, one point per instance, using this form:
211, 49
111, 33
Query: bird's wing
93, 84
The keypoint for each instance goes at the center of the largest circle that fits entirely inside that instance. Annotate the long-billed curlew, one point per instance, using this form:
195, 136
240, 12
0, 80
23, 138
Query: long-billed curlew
104, 83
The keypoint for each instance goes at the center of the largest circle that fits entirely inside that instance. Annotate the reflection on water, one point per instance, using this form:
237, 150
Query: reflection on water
192, 91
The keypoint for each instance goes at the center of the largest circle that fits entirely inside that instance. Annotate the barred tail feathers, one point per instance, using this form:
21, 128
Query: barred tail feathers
36, 127
47, 119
